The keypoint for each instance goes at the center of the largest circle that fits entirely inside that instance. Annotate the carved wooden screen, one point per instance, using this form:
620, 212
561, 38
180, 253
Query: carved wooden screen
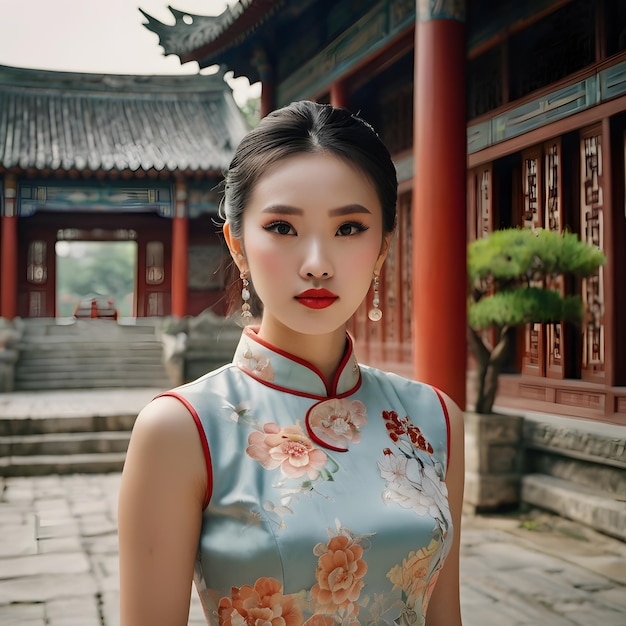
592, 231
556, 357
533, 358
480, 202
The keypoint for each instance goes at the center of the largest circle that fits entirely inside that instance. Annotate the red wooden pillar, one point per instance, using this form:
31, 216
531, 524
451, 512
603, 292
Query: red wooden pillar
266, 74
8, 252
439, 195
339, 95
180, 251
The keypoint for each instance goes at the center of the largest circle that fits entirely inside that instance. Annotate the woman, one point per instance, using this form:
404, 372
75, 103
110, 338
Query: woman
294, 485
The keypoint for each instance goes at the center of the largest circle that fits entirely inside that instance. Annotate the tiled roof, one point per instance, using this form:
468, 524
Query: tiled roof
104, 122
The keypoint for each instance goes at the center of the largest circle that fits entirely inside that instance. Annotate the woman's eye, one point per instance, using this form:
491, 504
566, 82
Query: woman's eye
350, 228
281, 228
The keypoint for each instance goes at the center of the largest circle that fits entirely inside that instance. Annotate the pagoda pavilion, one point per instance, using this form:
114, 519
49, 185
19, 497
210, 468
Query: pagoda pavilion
98, 157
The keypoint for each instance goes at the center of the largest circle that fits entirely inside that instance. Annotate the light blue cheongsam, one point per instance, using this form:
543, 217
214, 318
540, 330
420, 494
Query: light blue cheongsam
326, 502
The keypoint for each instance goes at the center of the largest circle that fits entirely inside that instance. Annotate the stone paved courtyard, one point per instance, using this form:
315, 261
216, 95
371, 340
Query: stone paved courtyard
58, 562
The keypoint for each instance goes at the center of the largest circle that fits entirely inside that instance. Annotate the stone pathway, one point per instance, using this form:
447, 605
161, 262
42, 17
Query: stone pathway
58, 562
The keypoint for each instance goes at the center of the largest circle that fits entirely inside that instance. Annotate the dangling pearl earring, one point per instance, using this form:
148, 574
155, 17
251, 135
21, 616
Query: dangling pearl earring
245, 296
375, 314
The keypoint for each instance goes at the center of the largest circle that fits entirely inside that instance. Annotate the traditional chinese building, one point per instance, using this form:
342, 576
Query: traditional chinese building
94, 157
497, 114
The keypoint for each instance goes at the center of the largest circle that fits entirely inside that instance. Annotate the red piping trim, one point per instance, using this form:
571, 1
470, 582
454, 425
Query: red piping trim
447, 416
302, 394
317, 439
203, 440
330, 389
251, 332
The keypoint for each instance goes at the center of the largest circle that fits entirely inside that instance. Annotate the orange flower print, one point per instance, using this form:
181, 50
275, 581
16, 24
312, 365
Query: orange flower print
339, 575
337, 422
288, 448
261, 605
414, 576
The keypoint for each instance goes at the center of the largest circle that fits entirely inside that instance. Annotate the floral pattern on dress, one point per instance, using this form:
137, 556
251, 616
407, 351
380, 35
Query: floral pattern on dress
257, 364
339, 574
414, 478
259, 605
415, 577
337, 422
292, 451
288, 448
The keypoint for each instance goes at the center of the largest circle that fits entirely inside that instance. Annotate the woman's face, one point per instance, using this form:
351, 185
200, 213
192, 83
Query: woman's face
312, 239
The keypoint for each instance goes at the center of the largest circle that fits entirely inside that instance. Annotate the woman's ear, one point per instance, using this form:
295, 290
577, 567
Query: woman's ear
384, 249
235, 247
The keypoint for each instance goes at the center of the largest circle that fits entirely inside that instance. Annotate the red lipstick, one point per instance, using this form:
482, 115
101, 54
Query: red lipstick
316, 298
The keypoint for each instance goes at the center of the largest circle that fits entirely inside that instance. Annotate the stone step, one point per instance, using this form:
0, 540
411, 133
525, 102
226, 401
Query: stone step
40, 384
105, 345
64, 443
66, 424
590, 441
576, 502
595, 475
44, 465
88, 368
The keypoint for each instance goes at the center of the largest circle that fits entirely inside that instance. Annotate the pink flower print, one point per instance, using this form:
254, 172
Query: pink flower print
258, 365
336, 423
288, 448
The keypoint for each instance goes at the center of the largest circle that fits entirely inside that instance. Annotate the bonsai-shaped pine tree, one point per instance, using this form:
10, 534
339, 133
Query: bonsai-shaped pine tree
509, 270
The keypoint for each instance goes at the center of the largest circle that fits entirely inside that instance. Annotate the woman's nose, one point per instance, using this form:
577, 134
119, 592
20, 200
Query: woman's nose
316, 262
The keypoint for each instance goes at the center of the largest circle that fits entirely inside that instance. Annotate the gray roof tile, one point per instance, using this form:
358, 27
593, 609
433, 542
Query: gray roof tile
71, 121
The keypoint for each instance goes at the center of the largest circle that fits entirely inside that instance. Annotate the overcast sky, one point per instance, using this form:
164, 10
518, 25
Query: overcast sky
102, 36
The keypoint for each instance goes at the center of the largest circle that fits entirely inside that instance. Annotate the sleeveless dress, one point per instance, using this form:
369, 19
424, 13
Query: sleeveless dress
326, 502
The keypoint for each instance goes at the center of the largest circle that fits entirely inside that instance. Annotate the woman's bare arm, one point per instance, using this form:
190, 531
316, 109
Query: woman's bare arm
159, 515
444, 608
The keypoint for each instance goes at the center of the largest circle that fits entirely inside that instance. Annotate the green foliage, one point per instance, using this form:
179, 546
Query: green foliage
521, 306
506, 267
523, 255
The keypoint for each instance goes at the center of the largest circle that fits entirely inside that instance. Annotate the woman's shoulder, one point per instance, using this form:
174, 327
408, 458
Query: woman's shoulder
374, 376
412, 392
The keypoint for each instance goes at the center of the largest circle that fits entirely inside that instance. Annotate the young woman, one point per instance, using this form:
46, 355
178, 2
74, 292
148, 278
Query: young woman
295, 485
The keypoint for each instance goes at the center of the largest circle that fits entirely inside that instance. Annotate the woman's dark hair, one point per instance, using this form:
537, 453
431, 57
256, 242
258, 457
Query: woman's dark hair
307, 127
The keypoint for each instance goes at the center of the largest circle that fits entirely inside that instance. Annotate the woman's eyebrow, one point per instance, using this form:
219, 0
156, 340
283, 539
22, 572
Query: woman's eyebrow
282, 209
348, 210
285, 209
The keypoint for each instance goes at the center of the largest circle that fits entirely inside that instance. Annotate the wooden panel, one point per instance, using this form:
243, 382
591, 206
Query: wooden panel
533, 359
532, 392
555, 341
581, 399
592, 231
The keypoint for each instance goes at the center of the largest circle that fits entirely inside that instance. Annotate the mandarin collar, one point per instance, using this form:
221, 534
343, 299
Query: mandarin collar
278, 369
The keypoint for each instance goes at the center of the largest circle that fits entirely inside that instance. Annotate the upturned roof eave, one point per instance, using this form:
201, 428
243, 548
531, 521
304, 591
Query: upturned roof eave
208, 38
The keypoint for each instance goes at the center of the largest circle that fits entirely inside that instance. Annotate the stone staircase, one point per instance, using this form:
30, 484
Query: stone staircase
577, 469
67, 432
89, 354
